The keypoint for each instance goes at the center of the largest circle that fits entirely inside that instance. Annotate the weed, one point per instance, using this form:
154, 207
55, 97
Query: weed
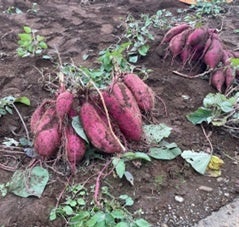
210, 8
78, 211
30, 43
12, 10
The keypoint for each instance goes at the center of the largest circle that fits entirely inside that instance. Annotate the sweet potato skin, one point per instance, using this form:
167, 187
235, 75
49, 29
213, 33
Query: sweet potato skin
143, 94
37, 115
64, 103
217, 79
75, 147
174, 31
97, 131
214, 54
47, 141
124, 109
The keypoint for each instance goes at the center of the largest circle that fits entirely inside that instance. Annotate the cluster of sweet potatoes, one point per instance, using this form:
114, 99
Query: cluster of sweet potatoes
106, 116
202, 45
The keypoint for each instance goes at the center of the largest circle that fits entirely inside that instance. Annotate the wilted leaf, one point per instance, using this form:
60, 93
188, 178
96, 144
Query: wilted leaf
30, 182
129, 177
136, 155
167, 151
76, 124
198, 160
155, 133
215, 163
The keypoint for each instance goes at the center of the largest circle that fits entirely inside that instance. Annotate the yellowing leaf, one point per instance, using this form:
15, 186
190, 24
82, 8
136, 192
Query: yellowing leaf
215, 163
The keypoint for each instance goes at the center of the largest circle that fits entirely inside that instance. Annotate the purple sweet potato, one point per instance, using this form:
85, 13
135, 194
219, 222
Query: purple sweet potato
214, 54
177, 43
124, 109
217, 79
46, 142
174, 31
64, 103
229, 76
74, 146
143, 94
198, 38
97, 131
48, 118
38, 114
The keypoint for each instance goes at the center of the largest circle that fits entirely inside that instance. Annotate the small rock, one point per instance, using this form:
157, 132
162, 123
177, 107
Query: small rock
205, 188
179, 199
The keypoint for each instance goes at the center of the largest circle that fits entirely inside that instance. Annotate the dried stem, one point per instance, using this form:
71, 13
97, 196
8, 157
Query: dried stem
207, 138
23, 123
192, 77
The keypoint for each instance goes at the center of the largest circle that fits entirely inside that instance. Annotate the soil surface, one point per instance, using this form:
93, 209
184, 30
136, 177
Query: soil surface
75, 28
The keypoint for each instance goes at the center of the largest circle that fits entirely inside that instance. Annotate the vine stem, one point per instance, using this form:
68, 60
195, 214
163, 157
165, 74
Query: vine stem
23, 123
97, 184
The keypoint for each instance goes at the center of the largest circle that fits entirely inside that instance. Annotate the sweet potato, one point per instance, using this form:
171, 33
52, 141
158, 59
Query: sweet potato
217, 79
38, 114
229, 76
48, 118
46, 142
174, 31
64, 103
143, 94
178, 42
198, 38
124, 109
97, 131
214, 54
74, 146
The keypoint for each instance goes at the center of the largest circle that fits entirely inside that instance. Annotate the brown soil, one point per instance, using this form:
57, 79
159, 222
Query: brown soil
74, 29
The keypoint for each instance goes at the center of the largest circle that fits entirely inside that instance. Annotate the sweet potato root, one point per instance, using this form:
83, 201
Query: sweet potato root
143, 94
125, 111
97, 131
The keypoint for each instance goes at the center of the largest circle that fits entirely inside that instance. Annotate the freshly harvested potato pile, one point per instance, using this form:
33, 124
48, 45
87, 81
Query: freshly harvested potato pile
203, 45
125, 100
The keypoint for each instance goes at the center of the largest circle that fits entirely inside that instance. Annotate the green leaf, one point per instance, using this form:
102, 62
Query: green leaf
198, 160
80, 216
122, 224
30, 182
23, 100
143, 50
200, 115
52, 215
135, 155
166, 151
155, 133
142, 223
133, 58
76, 124
24, 39
119, 166
43, 45
68, 210
81, 202
27, 29
118, 214
128, 200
